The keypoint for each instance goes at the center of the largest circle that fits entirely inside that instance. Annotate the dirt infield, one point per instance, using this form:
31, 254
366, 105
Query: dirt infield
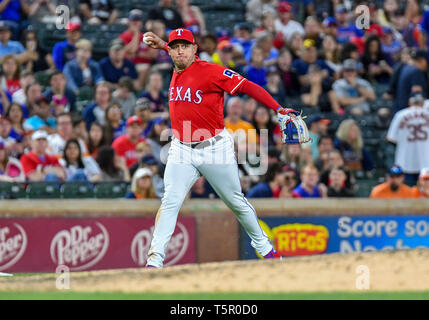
406, 270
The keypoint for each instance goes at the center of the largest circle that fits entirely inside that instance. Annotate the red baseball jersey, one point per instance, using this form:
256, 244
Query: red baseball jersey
30, 161
125, 148
196, 99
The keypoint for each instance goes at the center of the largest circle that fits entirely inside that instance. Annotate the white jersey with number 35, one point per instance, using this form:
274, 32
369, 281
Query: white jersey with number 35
410, 131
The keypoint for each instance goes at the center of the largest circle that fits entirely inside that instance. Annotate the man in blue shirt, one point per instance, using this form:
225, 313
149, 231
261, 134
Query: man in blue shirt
65, 51
12, 11
42, 119
115, 66
411, 79
346, 30
309, 187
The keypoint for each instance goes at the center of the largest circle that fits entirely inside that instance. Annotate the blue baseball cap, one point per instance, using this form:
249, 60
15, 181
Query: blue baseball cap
330, 21
395, 171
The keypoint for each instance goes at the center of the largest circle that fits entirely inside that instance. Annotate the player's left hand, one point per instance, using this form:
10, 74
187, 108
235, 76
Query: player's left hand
294, 129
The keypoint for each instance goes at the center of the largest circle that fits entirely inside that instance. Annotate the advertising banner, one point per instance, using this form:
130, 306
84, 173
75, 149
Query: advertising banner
42, 244
294, 236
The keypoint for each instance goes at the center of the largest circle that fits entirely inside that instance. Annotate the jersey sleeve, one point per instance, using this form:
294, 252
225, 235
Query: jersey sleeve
392, 133
226, 79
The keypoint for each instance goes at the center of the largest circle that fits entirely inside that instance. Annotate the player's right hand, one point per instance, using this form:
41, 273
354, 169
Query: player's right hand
157, 42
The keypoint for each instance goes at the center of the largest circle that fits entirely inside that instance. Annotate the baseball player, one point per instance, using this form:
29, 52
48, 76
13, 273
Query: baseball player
201, 145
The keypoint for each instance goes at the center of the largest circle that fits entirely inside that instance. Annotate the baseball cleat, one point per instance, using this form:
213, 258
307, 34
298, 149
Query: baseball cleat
272, 255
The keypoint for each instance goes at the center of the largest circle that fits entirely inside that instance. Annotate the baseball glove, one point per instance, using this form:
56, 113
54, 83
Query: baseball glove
294, 129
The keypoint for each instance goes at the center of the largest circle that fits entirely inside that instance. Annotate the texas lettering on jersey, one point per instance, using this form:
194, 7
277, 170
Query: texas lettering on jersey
188, 95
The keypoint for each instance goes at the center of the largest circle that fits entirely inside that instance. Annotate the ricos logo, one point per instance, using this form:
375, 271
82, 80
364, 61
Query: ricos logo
175, 250
13, 242
297, 239
80, 247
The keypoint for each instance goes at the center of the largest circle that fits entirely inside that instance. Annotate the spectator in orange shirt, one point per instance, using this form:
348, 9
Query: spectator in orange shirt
394, 187
422, 188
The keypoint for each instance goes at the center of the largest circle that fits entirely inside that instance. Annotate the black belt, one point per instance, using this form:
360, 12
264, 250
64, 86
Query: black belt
202, 144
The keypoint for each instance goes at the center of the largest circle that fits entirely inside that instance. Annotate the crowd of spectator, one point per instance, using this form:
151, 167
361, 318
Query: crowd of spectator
307, 51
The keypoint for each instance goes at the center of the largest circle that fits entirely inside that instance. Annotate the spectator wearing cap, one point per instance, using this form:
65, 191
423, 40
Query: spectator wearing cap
346, 29
65, 51
349, 142
412, 79
116, 66
224, 55
98, 12
57, 141
135, 49
11, 47
353, 92
318, 126
271, 184
166, 13
37, 164
285, 23
376, 64
310, 186
125, 145
125, 96
315, 78
42, 118
422, 188
58, 91
14, 12
191, 15
149, 161
409, 130
337, 184
141, 185
394, 186
96, 110
10, 167
330, 27
82, 71
153, 92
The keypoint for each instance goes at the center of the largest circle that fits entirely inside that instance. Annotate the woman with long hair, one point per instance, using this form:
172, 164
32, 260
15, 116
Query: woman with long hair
349, 142
95, 139
141, 185
331, 52
78, 168
115, 125
113, 168
11, 71
375, 62
42, 60
262, 120
15, 114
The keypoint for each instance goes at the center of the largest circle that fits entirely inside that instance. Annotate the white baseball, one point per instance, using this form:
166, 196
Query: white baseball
146, 40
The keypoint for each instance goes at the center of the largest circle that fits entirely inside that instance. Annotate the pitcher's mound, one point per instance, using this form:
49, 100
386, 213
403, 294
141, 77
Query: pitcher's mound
406, 270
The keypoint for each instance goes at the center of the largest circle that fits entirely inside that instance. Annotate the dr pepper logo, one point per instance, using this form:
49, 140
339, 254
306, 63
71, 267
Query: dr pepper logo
80, 247
298, 239
13, 242
175, 250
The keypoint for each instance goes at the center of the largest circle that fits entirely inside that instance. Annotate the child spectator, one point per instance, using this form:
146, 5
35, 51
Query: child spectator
10, 70
42, 118
337, 184
256, 71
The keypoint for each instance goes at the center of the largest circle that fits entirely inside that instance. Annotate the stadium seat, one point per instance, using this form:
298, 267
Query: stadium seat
42, 78
77, 190
44, 190
85, 93
106, 190
10, 190
364, 187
